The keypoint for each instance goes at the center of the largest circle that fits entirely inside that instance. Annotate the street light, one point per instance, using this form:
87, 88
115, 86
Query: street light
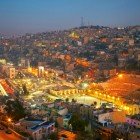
96, 92
9, 119
120, 75
70, 127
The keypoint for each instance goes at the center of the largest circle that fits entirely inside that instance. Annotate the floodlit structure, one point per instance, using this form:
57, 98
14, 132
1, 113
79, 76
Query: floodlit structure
12, 72
2, 91
41, 71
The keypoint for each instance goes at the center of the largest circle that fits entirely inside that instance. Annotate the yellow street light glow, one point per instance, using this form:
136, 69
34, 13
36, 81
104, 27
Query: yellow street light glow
120, 75
9, 119
125, 108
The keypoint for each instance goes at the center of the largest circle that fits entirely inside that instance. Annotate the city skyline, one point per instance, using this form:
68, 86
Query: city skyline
70, 69
32, 16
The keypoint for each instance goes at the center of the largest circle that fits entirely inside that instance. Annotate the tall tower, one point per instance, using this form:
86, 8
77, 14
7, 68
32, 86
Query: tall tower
82, 21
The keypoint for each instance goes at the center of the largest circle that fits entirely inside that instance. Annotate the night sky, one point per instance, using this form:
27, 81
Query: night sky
22, 16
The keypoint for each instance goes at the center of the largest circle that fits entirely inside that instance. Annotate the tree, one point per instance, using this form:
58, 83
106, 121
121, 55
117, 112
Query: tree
3, 99
73, 100
15, 109
67, 99
56, 125
53, 136
77, 123
95, 104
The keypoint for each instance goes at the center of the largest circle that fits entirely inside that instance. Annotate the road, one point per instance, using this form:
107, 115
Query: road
5, 136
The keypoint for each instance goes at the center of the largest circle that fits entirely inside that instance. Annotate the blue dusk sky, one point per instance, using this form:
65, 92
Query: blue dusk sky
31, 16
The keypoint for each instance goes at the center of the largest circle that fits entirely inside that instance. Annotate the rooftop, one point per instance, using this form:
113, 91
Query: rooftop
137, 117
102, 111
41, 124
68, 116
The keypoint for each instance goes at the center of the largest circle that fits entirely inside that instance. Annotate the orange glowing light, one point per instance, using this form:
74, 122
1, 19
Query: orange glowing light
120, 75
9, 119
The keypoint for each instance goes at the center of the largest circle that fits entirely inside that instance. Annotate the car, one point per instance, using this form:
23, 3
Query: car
8, 131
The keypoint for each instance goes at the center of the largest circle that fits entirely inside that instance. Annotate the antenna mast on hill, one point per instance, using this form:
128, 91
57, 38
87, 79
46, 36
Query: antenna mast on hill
82, 21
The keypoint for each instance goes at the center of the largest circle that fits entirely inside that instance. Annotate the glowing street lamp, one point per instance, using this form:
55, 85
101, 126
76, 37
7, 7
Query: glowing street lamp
89, 90
113, 97
96, 92
83, 94
84, 85
70, 127
120, 75
9, 119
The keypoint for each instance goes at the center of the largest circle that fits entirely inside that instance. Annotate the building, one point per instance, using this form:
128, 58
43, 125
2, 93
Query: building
2, 90
5, 88
8, 70
86, 40
12, 73
134, 120
41, 63
102, 115
131, 42
135, 135
37, 111
3, 61
69, 67
38, 129
121, 62
112, 72
42, 130
132, 108
105, 116
24, 62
